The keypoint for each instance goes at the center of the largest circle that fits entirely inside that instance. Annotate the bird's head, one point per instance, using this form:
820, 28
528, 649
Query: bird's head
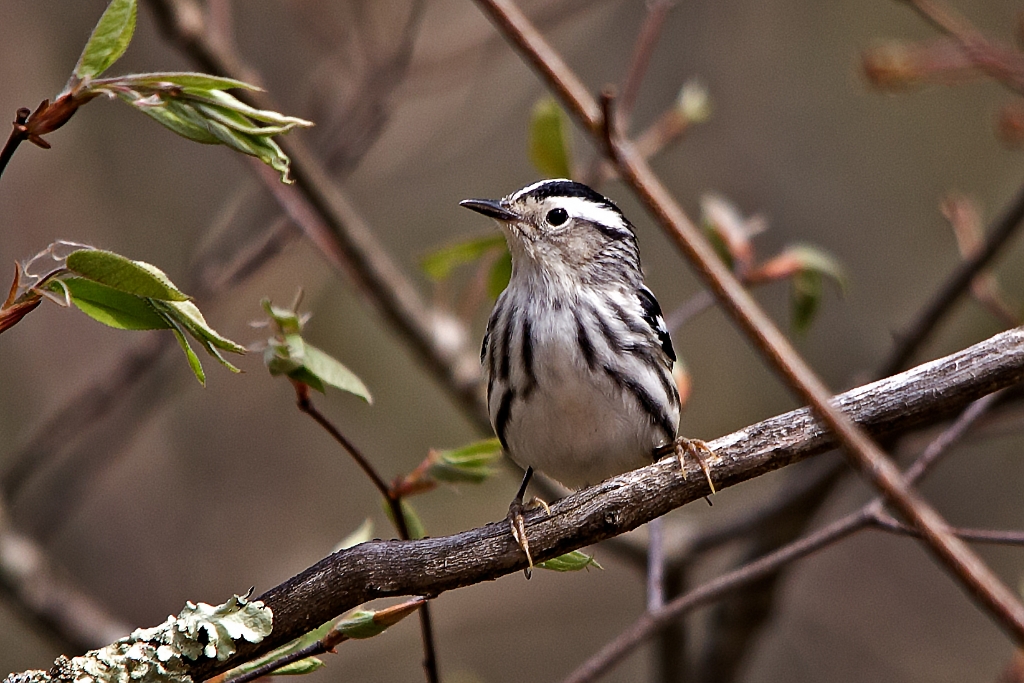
563, 229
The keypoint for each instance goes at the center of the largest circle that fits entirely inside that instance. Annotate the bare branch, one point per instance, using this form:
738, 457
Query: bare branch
18, 135
998, 537
654, 22
431, 566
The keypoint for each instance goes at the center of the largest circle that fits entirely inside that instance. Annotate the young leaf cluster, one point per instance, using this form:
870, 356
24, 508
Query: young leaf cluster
288, 354
193, 105
806, 267
124, 294
197, 107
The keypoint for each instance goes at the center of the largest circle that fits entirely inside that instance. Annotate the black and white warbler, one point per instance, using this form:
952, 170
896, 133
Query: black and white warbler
578, 358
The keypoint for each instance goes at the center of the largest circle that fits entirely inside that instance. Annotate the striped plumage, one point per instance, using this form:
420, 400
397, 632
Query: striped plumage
578, 360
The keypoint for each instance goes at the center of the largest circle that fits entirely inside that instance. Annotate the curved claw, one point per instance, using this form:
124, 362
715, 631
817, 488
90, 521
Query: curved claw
696, 449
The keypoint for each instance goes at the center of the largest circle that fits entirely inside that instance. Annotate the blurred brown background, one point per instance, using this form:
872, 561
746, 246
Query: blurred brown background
185, 493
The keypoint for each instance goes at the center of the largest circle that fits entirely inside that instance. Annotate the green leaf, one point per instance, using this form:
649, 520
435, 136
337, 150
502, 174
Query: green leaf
134, 295
332, 372
300, 667
184, 316
807, 284
229, 102
289, 354
285, 355
813, 259
123, 274
215, 352
439, 264
183, 79
570, 562
718, 243
109, 39
549, 139
110, 306
181, 123
308, 378
805, 299
193, 359
182, 117
412, 520
501, 273
287, 320
188, 314
471, 463
237, 122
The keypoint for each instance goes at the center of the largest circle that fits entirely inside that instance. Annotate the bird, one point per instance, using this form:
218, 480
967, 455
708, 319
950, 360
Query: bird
576, 352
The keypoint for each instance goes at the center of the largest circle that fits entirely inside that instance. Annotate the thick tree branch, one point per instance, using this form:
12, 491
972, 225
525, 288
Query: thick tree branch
430, 566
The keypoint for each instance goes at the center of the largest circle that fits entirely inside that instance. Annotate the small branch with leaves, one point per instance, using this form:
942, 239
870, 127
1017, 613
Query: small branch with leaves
116, 291
193, 105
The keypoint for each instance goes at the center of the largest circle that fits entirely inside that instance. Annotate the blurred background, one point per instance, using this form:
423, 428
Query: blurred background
175, 492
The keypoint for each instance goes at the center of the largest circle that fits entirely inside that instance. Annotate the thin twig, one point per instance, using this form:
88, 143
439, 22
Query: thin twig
981, 582
950, 435
999, 62
655, 563
871, 513
650, 31
307, 407
394, 502
958, 282
18, 135
643, 48
998, 537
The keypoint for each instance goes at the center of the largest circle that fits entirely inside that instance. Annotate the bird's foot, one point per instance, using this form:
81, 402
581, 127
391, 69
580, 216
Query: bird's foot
518, 525
698, 450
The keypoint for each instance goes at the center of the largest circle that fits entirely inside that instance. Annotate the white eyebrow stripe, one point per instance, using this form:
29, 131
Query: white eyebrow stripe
579, 207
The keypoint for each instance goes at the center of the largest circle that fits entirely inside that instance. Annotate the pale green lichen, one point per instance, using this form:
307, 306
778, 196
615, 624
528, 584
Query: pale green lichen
161, 654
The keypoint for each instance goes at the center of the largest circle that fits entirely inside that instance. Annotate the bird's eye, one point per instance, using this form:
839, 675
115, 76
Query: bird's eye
556, 217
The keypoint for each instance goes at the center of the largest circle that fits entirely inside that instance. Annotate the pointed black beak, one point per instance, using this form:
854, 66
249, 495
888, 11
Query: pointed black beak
489, 207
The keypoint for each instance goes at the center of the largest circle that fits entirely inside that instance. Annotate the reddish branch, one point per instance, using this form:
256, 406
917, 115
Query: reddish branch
394, 501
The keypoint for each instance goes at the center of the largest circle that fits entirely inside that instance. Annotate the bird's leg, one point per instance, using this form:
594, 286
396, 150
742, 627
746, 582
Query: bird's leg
696, 449
518, 525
